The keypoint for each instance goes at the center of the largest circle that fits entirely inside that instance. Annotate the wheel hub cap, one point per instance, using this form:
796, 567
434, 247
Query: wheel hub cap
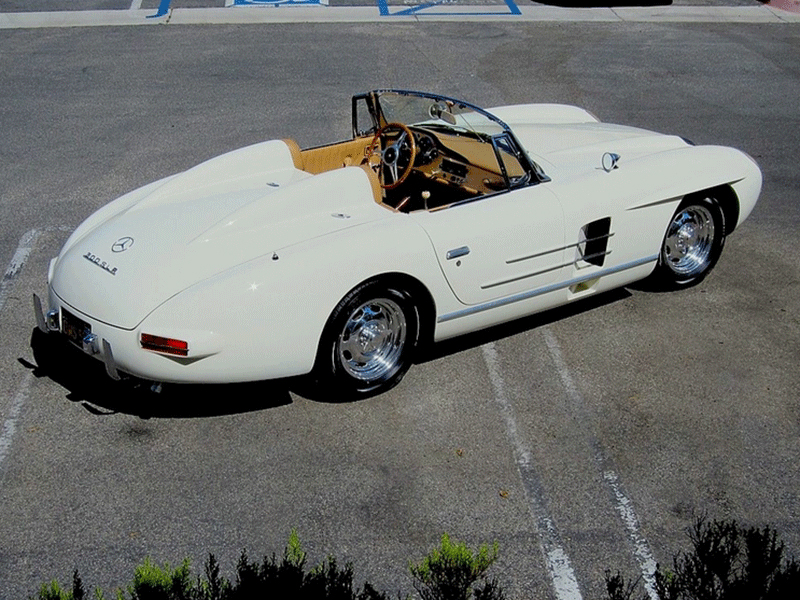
689, 241
372, 341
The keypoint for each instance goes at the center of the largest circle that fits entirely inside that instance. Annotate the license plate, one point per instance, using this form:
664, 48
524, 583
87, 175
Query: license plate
74, 328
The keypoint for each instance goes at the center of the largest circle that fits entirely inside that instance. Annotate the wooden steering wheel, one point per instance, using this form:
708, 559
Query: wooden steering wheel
388, 158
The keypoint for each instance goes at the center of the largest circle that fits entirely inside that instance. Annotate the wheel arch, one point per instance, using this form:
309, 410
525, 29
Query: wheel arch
728, 202
423, 300
330, 372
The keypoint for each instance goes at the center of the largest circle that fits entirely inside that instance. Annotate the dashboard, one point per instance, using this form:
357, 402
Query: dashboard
464, 161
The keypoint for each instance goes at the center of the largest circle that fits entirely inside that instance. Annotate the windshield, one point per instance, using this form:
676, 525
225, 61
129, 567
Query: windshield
431, 151
428, 110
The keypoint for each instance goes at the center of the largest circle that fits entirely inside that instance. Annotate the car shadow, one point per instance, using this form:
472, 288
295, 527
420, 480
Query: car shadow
512, 328
86, 382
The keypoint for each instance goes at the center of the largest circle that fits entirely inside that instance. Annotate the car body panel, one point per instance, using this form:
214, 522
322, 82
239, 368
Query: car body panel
246, 256
175, 248
478, 268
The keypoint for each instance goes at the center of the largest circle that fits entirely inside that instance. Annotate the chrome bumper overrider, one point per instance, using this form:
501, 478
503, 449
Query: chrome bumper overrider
91, 343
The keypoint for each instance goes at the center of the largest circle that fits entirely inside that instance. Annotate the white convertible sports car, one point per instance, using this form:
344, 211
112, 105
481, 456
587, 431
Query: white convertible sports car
437, 218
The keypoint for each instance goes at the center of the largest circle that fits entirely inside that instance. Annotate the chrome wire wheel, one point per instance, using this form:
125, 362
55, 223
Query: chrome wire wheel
370, 346
689, 242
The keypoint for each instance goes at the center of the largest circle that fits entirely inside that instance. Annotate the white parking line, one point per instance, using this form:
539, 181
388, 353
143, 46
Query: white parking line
623, 505
17, 262
559, 567
136, 4
10, 423
641, 549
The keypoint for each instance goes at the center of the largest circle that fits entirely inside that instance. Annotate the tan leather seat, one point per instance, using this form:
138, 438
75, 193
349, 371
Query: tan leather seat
335, 156
297, 154
377, 190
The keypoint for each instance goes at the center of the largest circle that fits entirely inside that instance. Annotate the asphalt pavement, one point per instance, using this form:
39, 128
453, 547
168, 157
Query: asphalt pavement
581, 440
62, 13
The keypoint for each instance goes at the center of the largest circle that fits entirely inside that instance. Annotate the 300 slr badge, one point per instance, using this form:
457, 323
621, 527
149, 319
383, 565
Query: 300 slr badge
96, 260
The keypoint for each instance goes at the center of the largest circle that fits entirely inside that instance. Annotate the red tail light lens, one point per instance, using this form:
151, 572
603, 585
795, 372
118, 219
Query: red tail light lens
164, 345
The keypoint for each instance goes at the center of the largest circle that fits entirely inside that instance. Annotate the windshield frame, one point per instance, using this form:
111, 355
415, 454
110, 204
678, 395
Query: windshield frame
372, 100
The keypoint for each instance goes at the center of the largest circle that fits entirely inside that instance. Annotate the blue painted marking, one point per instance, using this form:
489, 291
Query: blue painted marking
273, 2
383, 7
163, 9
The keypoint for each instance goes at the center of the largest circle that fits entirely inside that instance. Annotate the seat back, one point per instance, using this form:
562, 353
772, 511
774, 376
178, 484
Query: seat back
334, 156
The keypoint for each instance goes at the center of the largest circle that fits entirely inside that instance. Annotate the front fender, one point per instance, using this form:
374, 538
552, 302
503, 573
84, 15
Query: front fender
677, 173
641, 194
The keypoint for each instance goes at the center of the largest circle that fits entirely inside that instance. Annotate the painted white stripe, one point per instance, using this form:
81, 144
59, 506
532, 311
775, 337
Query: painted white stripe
136, 4
641, 549
558, 564
10, 423
623, 505
17, 262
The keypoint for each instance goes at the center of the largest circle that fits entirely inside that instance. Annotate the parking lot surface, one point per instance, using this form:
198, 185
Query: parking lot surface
581, 440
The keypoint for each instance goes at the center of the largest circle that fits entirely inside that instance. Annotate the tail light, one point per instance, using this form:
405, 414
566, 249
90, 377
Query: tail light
164, 345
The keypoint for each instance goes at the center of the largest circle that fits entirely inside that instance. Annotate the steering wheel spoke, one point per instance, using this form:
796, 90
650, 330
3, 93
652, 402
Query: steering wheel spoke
402, 151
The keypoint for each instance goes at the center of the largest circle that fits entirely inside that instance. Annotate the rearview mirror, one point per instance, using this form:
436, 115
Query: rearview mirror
442, 112
610, 161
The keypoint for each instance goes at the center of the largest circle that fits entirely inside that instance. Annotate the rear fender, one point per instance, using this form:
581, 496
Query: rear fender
282, 302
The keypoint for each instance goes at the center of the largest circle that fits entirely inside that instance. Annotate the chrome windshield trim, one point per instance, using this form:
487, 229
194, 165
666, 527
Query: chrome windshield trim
544, 290
372, 98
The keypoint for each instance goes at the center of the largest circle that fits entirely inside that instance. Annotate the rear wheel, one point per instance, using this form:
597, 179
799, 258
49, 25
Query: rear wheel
368, 343
692, 243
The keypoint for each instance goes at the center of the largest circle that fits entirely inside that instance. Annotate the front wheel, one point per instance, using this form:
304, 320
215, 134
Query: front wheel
368, 343
692, 243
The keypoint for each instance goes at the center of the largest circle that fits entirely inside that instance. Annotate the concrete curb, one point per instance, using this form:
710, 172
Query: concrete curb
371, 14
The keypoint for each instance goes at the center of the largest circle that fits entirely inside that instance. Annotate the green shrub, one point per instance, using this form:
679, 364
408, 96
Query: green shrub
151, 582
53, 591
727, 562
288, 578
215, 587
450, 571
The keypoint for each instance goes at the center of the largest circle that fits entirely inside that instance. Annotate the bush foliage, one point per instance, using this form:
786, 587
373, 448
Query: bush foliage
450, 571
727, 562
451, 567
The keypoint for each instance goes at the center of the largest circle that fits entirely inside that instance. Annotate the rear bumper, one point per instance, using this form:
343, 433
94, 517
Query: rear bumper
92, 344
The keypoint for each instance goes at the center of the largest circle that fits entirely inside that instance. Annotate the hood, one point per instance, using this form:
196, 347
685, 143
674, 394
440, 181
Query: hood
185, 232
577, 148
566, 139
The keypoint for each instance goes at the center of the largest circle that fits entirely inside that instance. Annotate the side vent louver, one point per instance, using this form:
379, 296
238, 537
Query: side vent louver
593, 245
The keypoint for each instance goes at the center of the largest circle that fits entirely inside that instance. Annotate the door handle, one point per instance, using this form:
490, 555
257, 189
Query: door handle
457, 252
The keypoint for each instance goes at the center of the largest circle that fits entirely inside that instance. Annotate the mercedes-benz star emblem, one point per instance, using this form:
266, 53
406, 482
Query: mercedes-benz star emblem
122, 244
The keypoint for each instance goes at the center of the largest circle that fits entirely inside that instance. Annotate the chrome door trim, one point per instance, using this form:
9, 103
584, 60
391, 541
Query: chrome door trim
544, 290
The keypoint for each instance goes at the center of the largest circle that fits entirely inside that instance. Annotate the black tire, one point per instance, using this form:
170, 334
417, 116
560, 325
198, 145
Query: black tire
692, 243
368, 343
